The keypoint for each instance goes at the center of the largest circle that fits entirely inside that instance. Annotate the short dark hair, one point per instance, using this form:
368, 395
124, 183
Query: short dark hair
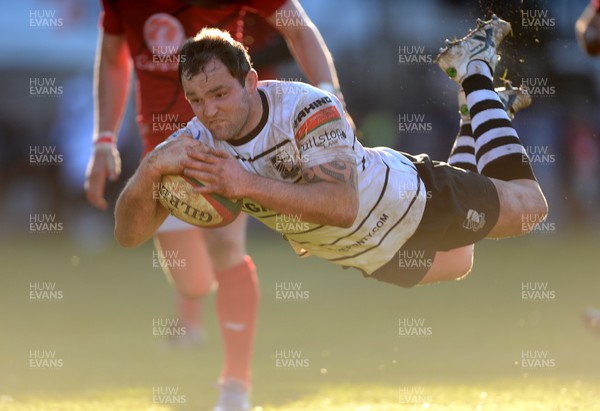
209, 44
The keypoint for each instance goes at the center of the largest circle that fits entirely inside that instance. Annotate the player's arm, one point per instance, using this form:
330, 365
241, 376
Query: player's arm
111, 85
307, 46
328, 197
137, 213
587, 29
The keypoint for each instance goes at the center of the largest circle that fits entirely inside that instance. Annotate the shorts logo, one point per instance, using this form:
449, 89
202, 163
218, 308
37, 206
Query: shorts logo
474, 221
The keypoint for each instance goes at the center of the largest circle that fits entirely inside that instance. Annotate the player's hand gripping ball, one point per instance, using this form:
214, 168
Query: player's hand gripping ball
202, 210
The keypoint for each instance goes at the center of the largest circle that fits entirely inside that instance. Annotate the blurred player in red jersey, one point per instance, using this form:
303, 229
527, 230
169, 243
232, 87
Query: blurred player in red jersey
149, 37
587, 28
587, 31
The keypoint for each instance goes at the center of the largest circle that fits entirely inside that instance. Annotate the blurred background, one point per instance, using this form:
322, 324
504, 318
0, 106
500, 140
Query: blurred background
383, 51
397, 96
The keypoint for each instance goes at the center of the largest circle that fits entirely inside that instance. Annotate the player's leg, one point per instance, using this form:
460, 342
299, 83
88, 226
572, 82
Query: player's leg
591, 317
501, 155
450, 265
237, 305
186, 263
499, 152
462, 154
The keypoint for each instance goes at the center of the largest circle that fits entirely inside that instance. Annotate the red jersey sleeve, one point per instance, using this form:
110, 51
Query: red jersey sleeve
110, 20
265, 7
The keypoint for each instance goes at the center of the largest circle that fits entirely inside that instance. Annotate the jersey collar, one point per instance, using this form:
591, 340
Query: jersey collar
261, 124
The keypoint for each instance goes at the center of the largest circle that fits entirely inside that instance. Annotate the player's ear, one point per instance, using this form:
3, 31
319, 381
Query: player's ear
251, 81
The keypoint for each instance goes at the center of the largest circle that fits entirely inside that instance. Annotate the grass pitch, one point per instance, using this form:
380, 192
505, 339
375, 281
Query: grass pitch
509, 337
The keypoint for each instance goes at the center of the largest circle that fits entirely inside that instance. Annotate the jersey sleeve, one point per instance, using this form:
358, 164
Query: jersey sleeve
321, 130
110, 20
193, 128
198, 131
265, 7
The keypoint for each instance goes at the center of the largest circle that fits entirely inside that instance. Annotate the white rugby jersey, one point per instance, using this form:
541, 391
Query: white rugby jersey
303, 126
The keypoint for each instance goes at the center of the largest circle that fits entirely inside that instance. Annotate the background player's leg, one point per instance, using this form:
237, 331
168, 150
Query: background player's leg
500, 155
190, 273
237, 297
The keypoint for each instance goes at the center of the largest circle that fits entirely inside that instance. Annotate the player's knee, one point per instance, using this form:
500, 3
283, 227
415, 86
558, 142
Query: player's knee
191, 281
540, 205
537, 211
463, 263
460, 262
194, 292
450, 265
464, 269
225, 248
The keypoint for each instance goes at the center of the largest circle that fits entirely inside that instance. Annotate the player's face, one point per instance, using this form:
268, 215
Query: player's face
219, 101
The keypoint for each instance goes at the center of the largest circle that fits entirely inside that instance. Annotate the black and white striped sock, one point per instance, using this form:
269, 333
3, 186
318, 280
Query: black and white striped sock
498, 150
462, 154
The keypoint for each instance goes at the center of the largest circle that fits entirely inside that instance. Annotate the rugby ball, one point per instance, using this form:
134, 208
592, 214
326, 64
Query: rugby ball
202, 210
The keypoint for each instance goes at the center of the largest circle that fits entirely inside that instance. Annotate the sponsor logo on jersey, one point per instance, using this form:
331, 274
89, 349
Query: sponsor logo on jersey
317, 120
306, 110
369, 236
257, 210
163, 35
285, 165
326, 139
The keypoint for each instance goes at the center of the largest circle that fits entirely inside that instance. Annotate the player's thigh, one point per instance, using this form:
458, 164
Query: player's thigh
415, 264
184, 257
522, 206
227, 245
450, 265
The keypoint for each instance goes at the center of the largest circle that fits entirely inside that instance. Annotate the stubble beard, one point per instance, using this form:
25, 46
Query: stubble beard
233, 130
